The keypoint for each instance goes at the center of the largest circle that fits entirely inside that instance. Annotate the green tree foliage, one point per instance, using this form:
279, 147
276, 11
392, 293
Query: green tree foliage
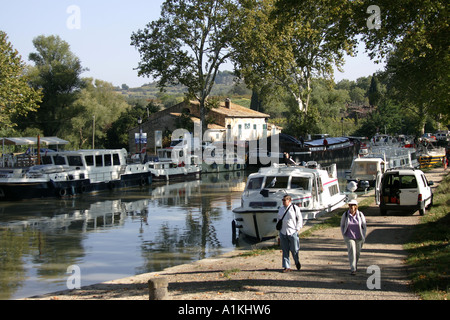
414, 38
291, 42
97, 99
57, 73
187, 45
16, 96
117, 134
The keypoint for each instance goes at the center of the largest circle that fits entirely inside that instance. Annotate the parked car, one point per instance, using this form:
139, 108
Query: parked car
442, 135
404, 190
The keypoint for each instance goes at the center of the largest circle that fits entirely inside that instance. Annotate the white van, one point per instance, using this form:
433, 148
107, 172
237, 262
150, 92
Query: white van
404, 190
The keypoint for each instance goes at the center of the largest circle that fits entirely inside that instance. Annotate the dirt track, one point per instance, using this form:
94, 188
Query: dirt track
324, 275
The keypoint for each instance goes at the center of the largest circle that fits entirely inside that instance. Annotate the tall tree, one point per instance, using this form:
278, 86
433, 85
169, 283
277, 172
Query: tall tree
57, 73
16, 96
187, 45
97, 104
374, 92
413, 36
290, 42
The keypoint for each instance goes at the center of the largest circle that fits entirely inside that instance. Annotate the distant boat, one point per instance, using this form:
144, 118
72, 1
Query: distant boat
372, 162
218, 157
314, 189
69, 173
323, 150
174, 164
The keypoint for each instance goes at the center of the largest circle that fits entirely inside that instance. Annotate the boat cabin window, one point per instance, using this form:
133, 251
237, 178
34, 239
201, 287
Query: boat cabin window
365, 168
280, 182
59, 160
107, 160
255, 183
301, 183
89, 160
46, 160
75, 161
116, 159
99, 161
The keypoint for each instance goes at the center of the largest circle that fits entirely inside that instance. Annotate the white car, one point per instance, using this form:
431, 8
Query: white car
404, 190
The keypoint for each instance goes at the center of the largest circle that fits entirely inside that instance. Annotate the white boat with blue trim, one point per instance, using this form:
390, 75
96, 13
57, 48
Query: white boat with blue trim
314, 189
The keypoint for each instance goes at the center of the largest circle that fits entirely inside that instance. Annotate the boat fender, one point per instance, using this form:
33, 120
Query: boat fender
62, 192
142, 181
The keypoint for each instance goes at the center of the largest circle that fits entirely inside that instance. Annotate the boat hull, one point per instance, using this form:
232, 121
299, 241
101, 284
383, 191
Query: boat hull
22, 189
260, 224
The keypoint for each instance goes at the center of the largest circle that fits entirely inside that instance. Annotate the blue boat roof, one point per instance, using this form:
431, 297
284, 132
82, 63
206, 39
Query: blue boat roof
319, 142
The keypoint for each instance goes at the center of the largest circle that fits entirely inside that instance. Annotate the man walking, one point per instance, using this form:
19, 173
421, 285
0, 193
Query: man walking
292, 222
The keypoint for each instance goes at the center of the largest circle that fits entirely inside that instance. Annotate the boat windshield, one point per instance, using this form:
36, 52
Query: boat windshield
255, 183
301, 183
365, 168
280, 182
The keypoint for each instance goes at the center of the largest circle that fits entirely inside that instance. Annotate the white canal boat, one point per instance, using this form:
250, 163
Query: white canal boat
68, 173
315, 190
174, 164
376, 160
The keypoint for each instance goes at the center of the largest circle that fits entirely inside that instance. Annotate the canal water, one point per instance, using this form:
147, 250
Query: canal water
116, 234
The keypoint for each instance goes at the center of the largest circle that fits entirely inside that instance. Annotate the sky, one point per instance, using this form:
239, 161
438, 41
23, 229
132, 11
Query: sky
99, 31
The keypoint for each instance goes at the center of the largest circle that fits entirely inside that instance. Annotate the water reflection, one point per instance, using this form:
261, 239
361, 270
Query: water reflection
115, 234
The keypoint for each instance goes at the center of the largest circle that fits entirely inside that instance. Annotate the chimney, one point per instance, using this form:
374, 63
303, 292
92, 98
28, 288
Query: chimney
228, 103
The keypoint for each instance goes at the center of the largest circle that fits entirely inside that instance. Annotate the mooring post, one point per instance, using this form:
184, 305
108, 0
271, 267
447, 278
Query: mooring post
157, 289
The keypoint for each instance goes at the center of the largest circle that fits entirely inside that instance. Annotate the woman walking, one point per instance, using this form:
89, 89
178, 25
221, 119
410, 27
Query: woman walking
353, 228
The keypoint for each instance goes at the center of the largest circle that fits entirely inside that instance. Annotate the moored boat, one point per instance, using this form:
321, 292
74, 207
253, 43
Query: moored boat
315, 190
174, 164
323, 150
69, 173
376, 160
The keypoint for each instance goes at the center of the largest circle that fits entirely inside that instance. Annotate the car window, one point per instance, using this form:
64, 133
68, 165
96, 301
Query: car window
408, 182
425, 181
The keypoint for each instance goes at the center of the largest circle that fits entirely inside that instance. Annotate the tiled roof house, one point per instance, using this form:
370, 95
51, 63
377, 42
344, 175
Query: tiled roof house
240, 123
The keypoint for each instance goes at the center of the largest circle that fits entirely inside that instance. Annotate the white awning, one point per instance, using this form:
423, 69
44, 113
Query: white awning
32, 141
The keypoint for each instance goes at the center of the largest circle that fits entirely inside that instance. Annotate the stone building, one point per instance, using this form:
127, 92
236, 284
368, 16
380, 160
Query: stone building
228, 120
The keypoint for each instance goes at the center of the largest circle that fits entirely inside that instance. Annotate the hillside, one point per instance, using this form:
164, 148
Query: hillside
225, 86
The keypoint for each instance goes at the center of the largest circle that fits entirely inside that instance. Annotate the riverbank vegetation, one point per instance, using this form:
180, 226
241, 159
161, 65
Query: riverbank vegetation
429, 248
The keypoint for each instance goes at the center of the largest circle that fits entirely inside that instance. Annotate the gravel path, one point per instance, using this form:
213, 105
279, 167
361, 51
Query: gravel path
325, 273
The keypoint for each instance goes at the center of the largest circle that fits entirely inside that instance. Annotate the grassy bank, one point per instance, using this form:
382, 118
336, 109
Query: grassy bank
429, 248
